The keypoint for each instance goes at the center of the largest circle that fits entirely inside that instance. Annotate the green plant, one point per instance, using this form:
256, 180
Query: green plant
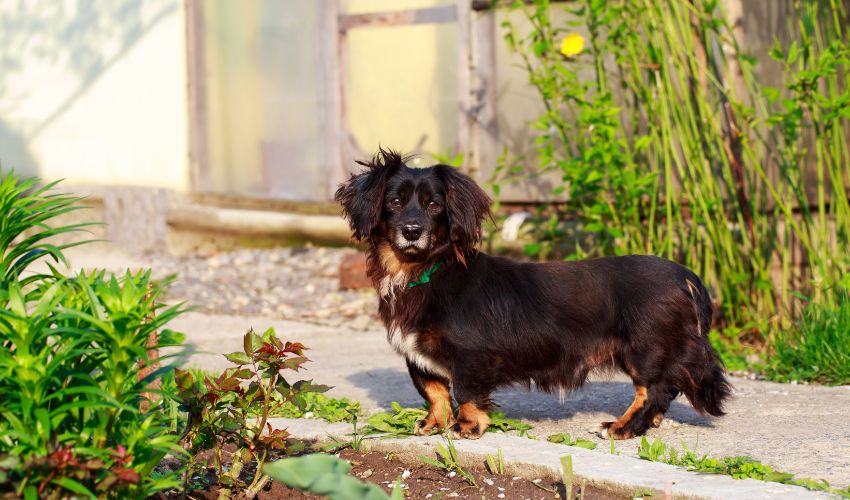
667, 143
739, 467
327, 476
234, 407
817, 347
448, 461
400, 421
565, 438
318, 405
567, 474
497, 464
75, 370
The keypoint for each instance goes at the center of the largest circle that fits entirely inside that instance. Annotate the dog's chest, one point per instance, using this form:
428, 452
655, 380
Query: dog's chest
408, 346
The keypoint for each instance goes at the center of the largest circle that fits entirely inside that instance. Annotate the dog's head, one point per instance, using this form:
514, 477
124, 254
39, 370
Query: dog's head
416, 211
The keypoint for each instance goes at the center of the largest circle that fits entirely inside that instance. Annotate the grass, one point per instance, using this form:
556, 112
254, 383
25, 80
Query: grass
817, 349
448, 461
738, 467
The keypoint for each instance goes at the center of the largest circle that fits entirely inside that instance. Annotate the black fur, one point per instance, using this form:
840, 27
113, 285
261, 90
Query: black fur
484, 321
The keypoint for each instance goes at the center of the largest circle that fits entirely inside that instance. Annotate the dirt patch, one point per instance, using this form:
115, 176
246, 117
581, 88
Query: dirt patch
422, 481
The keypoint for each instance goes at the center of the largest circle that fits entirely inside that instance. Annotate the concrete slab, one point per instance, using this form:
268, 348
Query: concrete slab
794, 428
539, 459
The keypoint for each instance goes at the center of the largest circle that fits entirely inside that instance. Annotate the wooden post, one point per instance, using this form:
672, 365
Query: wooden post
464, 88
485, 129
199, 177
331, 159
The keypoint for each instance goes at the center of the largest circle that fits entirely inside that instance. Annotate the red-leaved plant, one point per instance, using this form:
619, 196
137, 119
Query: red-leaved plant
233, 408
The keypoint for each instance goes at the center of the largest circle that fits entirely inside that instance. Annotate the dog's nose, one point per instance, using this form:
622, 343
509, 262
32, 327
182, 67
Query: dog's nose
411, 232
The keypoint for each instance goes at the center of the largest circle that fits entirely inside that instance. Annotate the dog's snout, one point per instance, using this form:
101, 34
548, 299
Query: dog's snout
411, 232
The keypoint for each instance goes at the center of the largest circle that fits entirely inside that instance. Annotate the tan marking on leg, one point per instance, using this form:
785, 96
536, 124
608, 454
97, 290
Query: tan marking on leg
440, 414
657, 419
471, 423
615, 429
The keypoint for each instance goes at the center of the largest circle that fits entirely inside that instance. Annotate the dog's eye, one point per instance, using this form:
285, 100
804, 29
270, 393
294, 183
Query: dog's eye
394, 203
433, 205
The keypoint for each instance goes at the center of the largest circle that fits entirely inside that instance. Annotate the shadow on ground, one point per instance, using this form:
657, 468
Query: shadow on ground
386, 385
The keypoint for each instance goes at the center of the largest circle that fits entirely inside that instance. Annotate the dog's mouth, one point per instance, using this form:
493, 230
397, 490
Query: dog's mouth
414, 248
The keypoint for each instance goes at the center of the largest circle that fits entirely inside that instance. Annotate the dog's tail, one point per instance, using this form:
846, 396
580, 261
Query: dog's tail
710, 387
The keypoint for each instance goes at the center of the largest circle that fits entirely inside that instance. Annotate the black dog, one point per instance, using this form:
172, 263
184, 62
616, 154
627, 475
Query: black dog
464, 318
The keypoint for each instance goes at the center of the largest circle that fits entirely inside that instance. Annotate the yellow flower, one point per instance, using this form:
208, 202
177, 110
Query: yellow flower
572, 44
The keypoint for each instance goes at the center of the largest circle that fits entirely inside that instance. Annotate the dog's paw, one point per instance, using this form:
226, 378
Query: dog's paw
424, 427
609, 430
466, 430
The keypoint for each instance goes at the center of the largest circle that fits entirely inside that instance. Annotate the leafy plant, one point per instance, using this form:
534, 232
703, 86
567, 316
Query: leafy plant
666, 143
397, 421
75, 364
318, 405
817, 348
739, 467
497, 464
234, 407
567, 474
401, 421
565, 438
326, 475
448, 461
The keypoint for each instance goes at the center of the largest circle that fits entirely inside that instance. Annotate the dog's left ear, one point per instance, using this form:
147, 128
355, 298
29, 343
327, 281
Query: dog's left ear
466, 205
362, 196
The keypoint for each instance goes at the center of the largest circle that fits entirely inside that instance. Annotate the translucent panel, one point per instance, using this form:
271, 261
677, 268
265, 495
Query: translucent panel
262, 98
402, 87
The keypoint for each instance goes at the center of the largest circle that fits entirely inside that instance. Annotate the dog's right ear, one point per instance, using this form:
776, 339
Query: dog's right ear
362, 196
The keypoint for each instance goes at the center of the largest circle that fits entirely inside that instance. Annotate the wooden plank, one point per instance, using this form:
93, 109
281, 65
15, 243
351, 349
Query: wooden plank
464, 88
429, 15
199, 168
486, 125
330, 128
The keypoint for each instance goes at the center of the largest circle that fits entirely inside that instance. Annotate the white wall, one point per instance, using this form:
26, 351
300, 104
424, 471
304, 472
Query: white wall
94, 91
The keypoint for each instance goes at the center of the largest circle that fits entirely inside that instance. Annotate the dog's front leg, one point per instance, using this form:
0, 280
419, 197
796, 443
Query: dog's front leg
435, 390
473, 395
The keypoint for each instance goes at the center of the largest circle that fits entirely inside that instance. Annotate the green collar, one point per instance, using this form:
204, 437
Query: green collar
426, 276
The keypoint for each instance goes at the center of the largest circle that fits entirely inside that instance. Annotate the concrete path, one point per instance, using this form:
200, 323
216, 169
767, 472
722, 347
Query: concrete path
801, 429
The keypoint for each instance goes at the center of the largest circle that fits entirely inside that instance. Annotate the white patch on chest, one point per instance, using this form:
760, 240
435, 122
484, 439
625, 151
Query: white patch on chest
406, 345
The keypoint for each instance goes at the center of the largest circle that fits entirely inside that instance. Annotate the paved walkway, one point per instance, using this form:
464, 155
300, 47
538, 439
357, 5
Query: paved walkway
795, 428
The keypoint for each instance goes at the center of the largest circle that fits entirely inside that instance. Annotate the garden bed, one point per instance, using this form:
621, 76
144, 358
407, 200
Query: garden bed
419, 480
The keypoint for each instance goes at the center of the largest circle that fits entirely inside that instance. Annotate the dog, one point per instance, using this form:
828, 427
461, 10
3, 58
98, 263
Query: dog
474, 322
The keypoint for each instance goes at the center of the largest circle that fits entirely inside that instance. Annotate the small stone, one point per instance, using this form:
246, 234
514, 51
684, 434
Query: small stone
488, 481
310, 288
405, 474
501, 495
452, 474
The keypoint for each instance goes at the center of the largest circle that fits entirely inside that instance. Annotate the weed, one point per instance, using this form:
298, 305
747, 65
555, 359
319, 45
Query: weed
567, 474
565, 438
739, 467
497, 464
401, 421
817, 349
318, 405
449, 461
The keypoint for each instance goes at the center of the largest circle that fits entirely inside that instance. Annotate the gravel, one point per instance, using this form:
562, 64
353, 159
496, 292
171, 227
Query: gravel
287, 283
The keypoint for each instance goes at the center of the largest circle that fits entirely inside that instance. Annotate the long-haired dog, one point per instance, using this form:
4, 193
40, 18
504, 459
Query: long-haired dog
474, 322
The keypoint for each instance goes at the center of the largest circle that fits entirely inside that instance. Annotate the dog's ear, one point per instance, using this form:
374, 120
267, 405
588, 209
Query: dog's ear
466, 206
362, 196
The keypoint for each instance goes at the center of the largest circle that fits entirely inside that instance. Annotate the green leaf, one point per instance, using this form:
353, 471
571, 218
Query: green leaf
238, 358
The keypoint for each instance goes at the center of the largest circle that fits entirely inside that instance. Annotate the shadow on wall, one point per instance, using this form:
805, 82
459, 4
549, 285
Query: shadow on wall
14, 153
52, 53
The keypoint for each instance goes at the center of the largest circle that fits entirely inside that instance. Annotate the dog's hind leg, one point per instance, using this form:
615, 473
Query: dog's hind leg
647, 410
435, 390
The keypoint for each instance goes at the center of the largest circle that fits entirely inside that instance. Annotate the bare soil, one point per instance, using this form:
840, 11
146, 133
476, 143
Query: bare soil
422, 481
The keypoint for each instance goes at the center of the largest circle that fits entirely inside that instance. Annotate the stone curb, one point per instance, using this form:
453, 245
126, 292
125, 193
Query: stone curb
536, 459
